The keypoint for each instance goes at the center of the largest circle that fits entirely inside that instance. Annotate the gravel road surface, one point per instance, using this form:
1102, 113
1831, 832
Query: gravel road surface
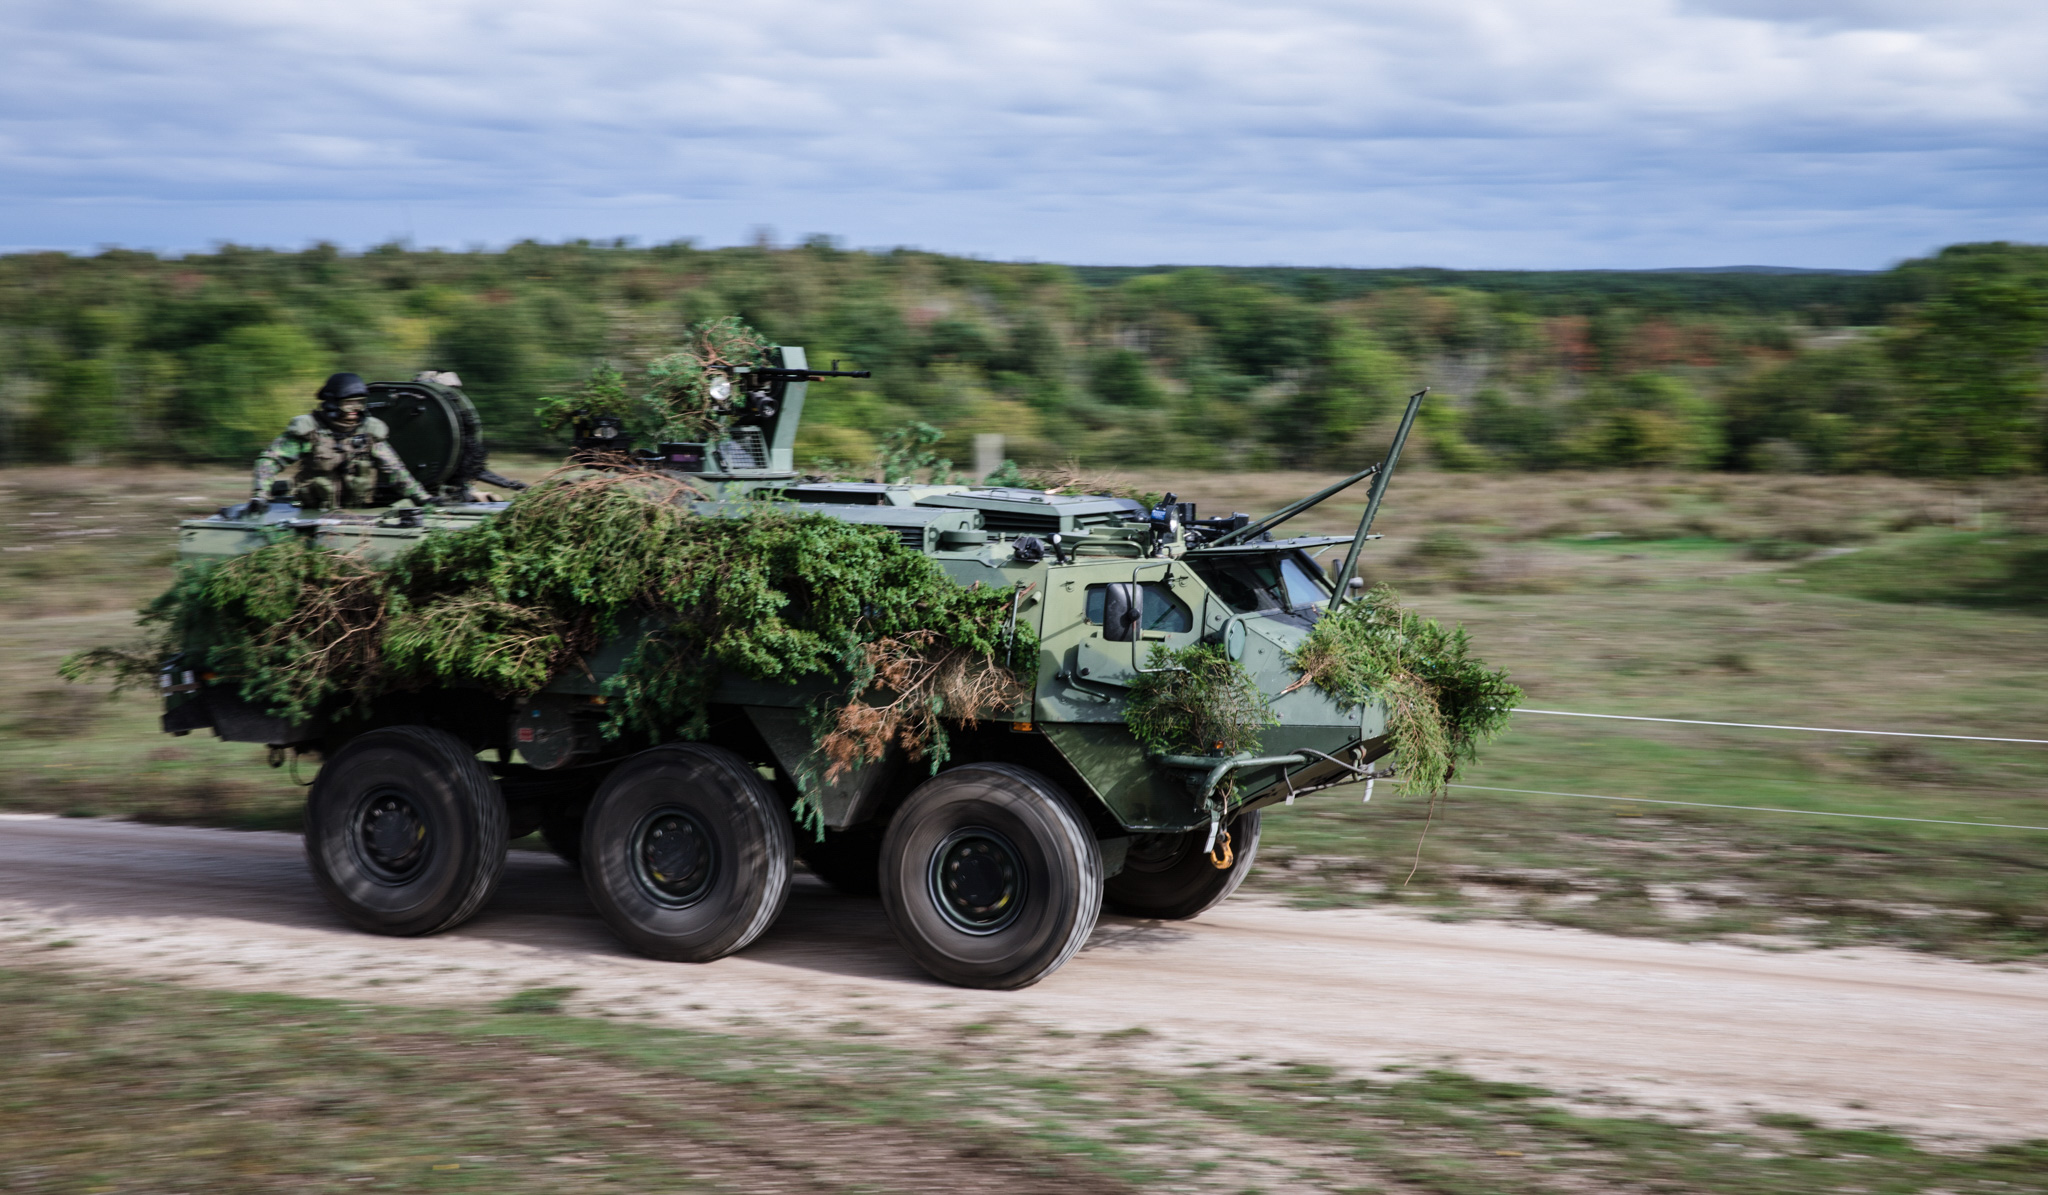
1943, 1049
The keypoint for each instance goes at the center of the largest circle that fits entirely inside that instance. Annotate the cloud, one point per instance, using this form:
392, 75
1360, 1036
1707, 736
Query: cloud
1460, 132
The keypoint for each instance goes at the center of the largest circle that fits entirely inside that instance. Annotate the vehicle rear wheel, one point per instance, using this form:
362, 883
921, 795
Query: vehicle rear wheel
990, 877
850, 860
1170, 876
686, 853
405, 831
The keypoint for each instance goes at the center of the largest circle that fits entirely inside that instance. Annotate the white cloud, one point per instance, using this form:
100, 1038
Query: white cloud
1466, 132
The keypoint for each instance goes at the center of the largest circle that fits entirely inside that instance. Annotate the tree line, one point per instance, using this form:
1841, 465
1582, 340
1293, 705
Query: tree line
1935, 367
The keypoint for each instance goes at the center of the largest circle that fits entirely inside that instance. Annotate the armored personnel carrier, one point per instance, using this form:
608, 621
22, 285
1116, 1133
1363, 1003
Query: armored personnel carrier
992, 870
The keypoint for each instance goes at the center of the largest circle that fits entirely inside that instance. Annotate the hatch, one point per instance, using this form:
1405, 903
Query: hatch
434, 430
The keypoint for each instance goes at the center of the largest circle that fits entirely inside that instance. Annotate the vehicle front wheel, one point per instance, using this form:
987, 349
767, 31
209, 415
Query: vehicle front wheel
686, 853
990, 877
405, 831
1170, 876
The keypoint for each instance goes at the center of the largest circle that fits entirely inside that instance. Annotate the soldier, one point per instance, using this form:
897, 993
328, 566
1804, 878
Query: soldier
339, 452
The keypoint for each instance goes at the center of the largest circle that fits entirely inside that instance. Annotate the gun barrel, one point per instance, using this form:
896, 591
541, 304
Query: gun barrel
803, 375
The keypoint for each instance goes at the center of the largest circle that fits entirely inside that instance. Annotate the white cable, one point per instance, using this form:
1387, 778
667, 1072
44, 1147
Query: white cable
1881, 817
1902, 734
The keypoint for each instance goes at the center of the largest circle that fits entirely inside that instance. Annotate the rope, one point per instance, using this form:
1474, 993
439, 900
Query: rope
1902, 734
1880, 817
1419, 838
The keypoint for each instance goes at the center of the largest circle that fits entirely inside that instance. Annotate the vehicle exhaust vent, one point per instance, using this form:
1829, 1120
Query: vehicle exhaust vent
1016, 522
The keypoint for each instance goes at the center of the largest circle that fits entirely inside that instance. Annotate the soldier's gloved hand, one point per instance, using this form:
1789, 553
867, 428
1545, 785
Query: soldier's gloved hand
257, 508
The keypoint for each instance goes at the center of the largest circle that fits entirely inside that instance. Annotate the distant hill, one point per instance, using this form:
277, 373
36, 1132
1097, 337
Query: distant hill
1745, 270
1851, 296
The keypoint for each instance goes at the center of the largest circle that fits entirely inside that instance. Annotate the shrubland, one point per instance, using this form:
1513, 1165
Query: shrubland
1931, 368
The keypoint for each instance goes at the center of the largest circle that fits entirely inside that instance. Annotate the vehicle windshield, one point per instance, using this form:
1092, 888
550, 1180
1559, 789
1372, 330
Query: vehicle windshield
1250, 583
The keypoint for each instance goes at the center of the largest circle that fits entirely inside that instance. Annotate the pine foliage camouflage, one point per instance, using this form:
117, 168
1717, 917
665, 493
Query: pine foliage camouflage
684, 391
1196, 701
1441, 703
603, 393
772, 593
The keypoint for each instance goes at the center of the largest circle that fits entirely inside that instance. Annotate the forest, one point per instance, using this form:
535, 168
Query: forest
1932, 368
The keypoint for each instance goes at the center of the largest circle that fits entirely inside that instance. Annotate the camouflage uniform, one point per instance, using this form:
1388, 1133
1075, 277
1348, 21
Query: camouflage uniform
335, 466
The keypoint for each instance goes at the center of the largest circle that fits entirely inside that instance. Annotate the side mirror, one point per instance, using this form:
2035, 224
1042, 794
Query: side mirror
1123, 604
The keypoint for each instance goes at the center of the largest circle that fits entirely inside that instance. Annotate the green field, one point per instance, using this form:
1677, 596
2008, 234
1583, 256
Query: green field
126, 1086
1845, 602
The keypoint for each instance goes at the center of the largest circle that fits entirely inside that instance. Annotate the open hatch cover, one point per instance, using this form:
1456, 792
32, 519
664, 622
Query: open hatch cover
435, 431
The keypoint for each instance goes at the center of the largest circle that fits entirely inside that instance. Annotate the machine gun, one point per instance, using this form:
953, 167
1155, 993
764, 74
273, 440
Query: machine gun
758, 408
764, 385
776, 373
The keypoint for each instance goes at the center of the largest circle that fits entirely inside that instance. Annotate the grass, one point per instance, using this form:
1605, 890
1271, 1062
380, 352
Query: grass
1615, 593
534, 1000
1600, 593
1973, 569
130, 1086
1735, 647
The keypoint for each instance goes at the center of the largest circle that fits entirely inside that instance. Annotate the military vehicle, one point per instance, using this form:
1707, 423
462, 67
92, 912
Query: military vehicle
992, 870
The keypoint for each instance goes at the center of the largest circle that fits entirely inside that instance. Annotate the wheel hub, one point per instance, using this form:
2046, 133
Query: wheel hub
977, 880
673, 857
393, 835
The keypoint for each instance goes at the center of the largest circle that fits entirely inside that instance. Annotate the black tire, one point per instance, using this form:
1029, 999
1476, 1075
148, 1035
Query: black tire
1170, 876
406, 831
850, 860
721, 887
990, 877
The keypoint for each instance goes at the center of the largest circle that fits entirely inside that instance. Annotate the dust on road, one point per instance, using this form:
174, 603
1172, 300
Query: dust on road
1943, 1049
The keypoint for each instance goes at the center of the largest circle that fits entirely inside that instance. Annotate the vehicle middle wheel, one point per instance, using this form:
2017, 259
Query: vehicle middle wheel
686, 853
1170, 876
405, 831
990, 877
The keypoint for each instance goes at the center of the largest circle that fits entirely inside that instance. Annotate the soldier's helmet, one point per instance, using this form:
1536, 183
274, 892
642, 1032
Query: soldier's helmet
341, 398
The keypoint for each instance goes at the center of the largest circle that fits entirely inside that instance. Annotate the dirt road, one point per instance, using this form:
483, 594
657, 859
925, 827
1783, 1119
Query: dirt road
1940, 1048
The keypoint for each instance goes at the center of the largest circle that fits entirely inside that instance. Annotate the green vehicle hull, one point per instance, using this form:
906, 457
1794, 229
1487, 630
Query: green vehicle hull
1067, 559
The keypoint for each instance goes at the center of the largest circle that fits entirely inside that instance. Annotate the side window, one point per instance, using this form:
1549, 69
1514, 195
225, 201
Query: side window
1163, 611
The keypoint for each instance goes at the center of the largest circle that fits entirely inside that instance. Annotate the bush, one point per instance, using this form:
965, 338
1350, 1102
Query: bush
510, 604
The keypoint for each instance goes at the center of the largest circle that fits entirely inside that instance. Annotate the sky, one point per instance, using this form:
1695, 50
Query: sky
1478, 134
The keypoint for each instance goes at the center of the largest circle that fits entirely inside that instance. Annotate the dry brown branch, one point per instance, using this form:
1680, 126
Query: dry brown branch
578, 482
336, 622
924, 680
1073, 478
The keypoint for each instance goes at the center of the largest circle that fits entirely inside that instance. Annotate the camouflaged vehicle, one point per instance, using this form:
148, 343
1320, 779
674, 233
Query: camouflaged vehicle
992, 871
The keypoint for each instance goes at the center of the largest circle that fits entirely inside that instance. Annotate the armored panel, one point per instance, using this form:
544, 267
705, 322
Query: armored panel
1116, 769
1028, 512
844, 802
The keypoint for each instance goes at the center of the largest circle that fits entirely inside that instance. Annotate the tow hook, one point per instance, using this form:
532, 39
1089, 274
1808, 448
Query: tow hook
1221, 856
